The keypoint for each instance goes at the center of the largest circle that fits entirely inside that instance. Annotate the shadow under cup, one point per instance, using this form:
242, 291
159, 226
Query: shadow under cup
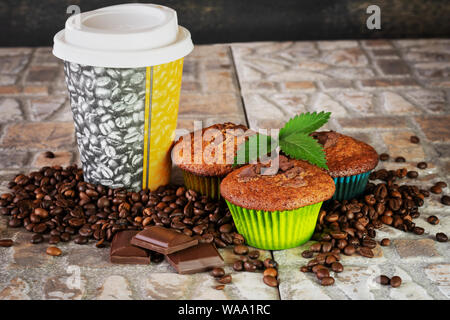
125, 121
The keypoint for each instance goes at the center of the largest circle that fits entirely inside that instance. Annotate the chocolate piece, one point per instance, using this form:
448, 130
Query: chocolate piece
202, 257
162, 240
123, 252
285, 163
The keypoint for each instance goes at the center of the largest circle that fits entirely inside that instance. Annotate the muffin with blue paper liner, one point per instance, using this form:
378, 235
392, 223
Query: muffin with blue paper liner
349, 162
206, 156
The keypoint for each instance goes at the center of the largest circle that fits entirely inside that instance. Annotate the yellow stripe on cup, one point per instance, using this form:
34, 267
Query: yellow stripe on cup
162, 96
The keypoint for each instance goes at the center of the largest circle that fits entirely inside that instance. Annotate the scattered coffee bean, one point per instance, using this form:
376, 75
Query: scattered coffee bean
365, 252
396, 281
53, 251
6, 243
412, 174
400, 159
304, 269
441, 237
218, 272
337, 267
445, 200
316, 247
254, 254
385, 242
327, 281
259, 264
307, 254
433, 220
269, 263
418, 230
271, 272
220, 287
270, 281
238, 265
441, 184
49, 154
436, 189
249, 266
414, 139
37, 238
54, 240
422, 165
349, 250
101, 243
383, 280
240, 249
322, 273
80, 240
225, 279
384, 157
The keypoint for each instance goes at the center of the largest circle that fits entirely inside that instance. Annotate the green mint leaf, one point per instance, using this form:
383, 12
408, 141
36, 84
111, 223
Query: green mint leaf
302, 146
304, 123
256, 146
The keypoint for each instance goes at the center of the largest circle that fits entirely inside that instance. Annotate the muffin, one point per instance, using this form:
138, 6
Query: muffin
349, 161
279, 211
206, 156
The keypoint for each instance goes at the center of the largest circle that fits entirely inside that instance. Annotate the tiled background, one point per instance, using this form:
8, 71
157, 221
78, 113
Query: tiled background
379, 91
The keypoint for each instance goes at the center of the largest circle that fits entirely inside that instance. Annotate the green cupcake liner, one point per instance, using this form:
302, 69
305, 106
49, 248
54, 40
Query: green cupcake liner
350, 187
275, 230
207, 186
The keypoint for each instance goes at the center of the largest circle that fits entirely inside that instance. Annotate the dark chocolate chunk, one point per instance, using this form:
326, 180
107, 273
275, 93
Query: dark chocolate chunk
162, 240
200, 258
123, 252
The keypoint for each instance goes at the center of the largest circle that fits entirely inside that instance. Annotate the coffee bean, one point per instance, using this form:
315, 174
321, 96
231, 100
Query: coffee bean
436, 189
384, 157
37, 238
249, 266
100, 244
270, 281
240, 249
53, 251
349, 250
414, 139
316, 247
225, 228
326, 247
238, 265
270, 272
304, 269
327, 281
445, 200
219, 287
218, 272
54, 240
6, 243
412, 174
418, 230
322, 273
49, 154
441, 237
14, 223
385, 242
441, 184
337, 267
269, 263
254, 254
383, 280
433, 220
396, 281
365, 252
400, 159
307, 254
225, 279
422, 165
80, 240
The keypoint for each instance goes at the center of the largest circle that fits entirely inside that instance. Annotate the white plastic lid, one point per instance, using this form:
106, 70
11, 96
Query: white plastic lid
123, 36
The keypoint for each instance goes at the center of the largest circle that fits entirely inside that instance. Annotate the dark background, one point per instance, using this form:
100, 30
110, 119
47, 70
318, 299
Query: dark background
34, 22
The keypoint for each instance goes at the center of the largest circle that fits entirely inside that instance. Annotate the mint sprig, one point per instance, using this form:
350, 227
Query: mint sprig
293, 140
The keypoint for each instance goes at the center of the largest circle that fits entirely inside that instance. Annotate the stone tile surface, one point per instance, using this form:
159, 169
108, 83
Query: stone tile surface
379, 91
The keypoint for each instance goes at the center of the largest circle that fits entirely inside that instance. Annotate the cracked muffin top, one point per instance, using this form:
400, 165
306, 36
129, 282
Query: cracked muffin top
345, 155
210, 151
295, 184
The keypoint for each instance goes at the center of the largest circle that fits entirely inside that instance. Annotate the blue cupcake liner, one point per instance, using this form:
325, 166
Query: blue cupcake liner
350, 187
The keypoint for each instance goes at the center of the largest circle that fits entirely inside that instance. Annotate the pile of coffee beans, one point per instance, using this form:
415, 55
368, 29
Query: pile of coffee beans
56, 204
349, 227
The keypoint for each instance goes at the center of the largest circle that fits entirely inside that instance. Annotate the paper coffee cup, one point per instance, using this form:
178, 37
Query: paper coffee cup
123, 67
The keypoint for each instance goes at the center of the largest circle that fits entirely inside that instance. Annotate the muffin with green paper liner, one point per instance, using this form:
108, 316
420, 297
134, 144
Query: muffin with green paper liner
277, 211
275, 202
206, 156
